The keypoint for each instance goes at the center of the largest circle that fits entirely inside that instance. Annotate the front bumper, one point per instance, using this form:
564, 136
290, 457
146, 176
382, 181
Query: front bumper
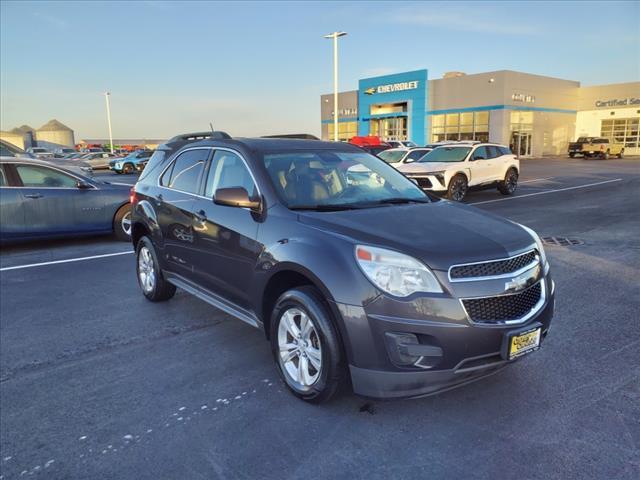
429, 182
468, 351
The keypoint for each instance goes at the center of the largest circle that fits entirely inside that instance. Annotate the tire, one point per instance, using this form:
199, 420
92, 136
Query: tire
458, 188
122, 223
571, 155
127, 168
510, 183
312, 377
153, 285
605, 155
621, 154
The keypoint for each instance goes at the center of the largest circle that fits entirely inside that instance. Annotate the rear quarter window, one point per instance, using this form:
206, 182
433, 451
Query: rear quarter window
153, 166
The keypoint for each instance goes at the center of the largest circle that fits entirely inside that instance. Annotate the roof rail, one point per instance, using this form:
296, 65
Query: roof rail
210, 135
301, 136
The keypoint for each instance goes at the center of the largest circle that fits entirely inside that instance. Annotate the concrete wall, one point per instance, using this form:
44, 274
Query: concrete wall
347, 109
609, 97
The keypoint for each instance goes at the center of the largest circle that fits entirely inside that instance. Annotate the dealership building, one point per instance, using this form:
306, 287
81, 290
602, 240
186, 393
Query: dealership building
538, 114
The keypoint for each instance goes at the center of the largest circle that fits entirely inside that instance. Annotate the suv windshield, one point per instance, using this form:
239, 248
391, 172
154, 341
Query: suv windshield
392, 156
446, 154
331, 180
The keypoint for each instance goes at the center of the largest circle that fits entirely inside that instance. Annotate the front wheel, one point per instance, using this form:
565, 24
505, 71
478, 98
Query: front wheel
510, 183
153, 285
571, 155
305, 345
605, 155
458, 187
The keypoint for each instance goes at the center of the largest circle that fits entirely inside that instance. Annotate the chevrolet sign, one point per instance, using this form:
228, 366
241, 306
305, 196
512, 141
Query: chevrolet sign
392, 87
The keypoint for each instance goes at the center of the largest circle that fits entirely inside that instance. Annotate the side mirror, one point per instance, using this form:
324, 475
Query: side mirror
235, 197
83, 185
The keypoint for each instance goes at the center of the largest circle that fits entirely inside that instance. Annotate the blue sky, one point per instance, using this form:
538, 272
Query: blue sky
259, 68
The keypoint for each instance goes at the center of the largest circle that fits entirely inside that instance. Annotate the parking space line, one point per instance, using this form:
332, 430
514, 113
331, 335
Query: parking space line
549, 191
69, 260
535, 180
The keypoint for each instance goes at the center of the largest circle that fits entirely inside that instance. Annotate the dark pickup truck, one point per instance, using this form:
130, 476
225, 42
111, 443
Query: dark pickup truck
595, 147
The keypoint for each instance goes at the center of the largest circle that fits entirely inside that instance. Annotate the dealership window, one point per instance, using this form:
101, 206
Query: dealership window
460, 126
346, 131
621, 130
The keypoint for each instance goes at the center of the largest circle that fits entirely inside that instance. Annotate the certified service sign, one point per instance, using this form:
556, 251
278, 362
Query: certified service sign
392, 87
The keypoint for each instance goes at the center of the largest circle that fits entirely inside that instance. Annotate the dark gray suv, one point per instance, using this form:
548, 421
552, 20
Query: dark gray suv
351, 270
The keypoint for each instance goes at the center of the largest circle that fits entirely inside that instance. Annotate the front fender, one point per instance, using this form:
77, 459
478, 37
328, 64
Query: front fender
329, 263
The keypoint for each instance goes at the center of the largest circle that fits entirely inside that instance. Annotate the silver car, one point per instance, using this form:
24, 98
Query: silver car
98, 160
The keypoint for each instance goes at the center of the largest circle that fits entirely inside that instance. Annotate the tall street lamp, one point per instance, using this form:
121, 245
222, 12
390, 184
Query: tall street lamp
335, 36
106, 98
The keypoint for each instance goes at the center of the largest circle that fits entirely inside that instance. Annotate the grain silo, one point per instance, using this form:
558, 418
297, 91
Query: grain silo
54, 134
13, 138
28, 134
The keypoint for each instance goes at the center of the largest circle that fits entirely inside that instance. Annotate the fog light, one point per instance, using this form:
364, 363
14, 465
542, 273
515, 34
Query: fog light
405, 349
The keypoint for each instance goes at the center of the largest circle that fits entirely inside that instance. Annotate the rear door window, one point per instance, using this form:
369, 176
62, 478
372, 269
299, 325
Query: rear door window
494, 151
185, 173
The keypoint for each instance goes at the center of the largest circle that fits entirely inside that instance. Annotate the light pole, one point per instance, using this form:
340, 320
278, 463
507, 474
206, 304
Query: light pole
106, 98
335, 36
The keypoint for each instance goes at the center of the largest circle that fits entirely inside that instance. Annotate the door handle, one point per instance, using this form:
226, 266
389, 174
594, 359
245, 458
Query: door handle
201, 215
34, 195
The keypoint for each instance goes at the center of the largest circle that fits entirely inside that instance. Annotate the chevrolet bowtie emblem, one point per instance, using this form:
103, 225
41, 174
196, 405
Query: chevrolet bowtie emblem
523, 281
370, 91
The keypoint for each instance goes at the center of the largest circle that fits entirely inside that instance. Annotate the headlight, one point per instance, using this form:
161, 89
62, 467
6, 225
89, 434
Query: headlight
395, 273
543, 256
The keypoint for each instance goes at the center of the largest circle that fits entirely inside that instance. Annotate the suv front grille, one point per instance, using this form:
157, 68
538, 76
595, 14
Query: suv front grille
493, 268
422, 182
503, 308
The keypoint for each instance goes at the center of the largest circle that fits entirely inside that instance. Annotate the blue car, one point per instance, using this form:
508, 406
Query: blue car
40, 199
130, 163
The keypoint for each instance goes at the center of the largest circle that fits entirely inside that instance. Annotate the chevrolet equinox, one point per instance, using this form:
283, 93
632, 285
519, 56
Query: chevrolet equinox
350, 269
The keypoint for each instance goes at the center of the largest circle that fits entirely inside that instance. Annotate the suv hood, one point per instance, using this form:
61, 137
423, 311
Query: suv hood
440, 234
423, 167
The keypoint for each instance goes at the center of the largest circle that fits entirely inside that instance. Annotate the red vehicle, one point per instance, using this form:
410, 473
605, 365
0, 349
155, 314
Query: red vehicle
369, 140
371, 144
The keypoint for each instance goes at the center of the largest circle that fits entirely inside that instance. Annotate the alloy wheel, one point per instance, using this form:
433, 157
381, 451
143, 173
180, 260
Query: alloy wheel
512, 181
299, 348
458, 189
146, 271
126, 223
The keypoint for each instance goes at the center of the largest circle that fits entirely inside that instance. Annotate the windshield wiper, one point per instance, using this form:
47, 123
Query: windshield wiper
326, 207
400, 200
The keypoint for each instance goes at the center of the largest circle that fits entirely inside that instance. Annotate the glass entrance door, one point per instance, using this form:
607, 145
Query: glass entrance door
390, 128
521, 142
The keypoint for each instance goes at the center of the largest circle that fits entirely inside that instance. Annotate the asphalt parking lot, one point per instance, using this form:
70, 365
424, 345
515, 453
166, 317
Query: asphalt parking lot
97, 382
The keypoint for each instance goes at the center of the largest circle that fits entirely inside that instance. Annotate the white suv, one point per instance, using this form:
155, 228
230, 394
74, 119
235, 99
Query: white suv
398, 156
454, 168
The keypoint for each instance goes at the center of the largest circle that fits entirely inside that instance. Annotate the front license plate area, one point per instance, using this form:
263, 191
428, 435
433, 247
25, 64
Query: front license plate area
520, 342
